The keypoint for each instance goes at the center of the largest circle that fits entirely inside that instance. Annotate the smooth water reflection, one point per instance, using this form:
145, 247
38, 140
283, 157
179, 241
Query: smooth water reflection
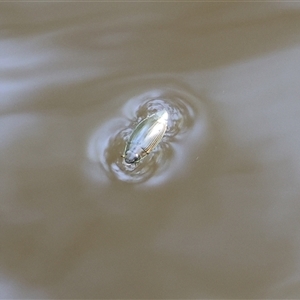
216, 215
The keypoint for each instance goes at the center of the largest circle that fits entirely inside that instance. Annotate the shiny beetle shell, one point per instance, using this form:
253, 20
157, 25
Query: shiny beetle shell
145, 137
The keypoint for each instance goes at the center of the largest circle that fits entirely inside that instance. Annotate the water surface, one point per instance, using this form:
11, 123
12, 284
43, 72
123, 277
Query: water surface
216, 211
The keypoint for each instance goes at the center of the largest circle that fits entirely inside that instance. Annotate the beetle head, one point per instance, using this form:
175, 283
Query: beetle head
131, 157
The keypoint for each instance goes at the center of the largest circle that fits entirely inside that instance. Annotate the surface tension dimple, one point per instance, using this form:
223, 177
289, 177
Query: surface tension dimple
145, 137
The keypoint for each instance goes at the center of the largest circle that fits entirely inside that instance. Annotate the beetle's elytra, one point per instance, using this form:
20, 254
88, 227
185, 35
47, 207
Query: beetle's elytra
145, 137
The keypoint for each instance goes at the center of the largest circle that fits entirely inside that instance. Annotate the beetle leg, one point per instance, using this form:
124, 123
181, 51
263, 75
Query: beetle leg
147, 152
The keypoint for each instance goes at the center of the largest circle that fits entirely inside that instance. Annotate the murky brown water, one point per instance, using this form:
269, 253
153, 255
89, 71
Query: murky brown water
215, 213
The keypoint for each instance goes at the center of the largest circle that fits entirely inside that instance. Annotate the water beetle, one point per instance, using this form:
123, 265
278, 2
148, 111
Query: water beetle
145, 137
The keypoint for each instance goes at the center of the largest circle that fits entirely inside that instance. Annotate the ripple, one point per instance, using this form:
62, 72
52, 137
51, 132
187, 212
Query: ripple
108, 142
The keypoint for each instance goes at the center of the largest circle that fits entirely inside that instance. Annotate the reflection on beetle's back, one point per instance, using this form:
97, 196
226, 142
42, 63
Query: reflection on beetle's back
146, 136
